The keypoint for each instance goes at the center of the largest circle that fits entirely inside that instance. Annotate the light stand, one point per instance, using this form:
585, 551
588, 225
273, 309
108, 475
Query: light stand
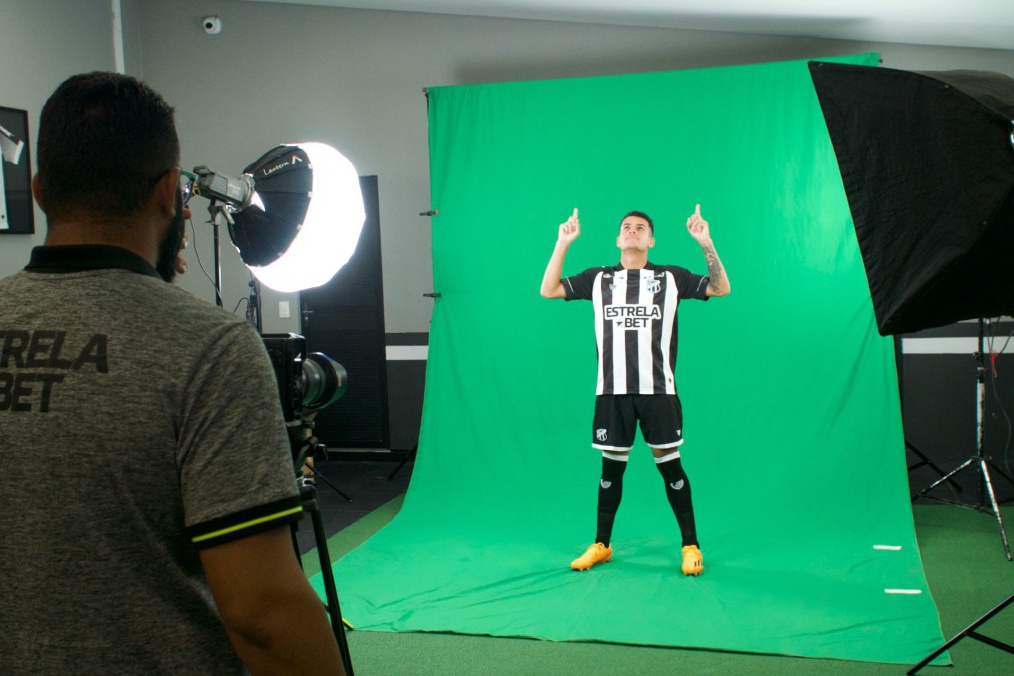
978, 461
218, 253
294, 215
926, 163
253, 306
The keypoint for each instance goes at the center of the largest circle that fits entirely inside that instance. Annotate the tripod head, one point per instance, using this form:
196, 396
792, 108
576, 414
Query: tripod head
305, 446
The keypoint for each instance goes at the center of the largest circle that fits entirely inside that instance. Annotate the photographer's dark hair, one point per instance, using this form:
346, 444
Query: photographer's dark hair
104, 141
640, 214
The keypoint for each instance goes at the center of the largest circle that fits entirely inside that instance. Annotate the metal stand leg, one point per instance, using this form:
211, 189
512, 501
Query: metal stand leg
409, 457
924, 462
308, 496
978, 461
969, 631
318, 475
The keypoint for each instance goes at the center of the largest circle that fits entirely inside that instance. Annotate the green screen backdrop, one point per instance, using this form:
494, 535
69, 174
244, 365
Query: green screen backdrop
794, 444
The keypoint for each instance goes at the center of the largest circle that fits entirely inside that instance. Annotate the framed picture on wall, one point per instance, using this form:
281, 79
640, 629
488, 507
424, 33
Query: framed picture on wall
17, 216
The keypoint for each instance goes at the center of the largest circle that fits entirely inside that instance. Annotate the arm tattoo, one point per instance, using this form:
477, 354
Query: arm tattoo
715, 270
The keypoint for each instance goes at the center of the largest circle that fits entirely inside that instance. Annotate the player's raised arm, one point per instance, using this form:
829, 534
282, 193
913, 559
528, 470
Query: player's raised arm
701, 232
552, 287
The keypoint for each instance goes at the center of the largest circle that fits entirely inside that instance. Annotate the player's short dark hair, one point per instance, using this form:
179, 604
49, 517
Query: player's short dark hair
640, 214
104, 141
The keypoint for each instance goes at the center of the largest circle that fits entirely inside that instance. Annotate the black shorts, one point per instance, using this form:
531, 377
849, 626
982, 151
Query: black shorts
616, 417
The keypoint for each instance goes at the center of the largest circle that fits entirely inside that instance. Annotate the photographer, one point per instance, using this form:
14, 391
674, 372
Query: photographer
156, 539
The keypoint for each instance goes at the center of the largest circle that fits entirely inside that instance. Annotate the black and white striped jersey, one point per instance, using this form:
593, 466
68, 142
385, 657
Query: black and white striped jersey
636, 323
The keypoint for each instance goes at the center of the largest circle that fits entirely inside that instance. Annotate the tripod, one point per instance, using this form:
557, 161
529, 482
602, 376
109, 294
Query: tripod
306, 446
978, 461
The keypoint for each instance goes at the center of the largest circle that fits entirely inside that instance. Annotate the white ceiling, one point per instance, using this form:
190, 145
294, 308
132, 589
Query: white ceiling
957, 23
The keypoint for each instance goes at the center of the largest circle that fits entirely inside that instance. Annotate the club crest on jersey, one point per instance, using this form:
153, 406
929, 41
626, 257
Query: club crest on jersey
652, 285
616, 282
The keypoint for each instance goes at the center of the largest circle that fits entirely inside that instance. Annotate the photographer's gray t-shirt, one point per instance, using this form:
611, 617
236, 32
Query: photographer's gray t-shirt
137, 425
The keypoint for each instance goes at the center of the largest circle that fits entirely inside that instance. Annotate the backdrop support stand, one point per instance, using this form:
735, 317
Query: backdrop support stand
409, 457
978, 461
970, 632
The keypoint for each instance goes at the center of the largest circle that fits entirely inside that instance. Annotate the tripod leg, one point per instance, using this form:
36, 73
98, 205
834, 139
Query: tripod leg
330, 592
397, 469
946, 477
923, 460
409, 457
969, 631
323, 478
996, 508
1000, 471
308, 498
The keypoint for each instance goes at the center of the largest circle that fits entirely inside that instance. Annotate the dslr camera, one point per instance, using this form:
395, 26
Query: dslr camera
307, 383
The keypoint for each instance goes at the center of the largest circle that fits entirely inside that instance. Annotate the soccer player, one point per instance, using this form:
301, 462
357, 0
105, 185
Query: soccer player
635, 305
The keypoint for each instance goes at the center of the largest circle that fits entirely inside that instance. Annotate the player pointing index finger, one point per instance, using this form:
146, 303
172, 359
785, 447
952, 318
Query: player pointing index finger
635, 307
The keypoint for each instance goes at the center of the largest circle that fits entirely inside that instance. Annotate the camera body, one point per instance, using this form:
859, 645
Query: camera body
212, 25
286, 350
306, 382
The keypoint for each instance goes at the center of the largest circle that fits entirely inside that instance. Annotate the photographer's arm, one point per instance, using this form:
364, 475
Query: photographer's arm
275, 620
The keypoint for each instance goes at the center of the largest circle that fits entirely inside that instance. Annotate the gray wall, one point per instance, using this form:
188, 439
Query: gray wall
41, 43
354, 79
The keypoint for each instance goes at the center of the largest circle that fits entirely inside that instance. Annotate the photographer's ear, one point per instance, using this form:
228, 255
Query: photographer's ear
165, 190
37, 191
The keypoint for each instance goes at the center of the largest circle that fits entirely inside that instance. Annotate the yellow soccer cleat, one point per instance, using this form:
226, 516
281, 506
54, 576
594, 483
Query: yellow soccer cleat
693, 560
597, 553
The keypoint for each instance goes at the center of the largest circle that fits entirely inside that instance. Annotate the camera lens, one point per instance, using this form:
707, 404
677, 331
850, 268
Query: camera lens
323, 381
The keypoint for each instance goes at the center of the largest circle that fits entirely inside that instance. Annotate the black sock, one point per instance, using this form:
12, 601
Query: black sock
677, 490
610, 492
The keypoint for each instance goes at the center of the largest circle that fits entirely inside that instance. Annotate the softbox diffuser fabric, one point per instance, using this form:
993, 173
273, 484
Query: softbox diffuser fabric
928, 167
794, 445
